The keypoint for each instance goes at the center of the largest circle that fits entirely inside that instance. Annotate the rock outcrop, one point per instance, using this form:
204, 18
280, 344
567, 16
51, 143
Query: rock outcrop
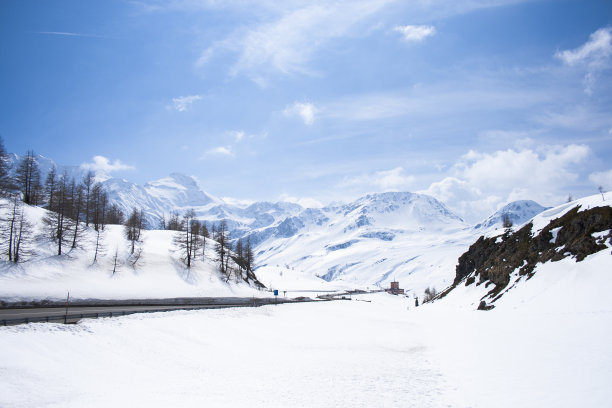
493, 260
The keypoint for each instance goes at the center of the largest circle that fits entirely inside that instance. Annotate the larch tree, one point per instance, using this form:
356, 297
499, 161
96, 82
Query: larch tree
204, 235
58, 219
16, 232
50, 188
77, 197
249, 260
28, 179
133, 230
88, 183
222, 248
187, 238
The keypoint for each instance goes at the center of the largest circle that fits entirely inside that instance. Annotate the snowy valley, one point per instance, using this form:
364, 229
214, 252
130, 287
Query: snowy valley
547, 320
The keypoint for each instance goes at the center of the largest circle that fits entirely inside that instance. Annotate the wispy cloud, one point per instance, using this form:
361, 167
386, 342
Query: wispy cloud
304, 110
183, 103
594, 55
415, 33
287, 42
68, 34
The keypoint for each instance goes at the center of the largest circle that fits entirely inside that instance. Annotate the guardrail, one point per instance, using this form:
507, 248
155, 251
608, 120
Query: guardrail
72, 318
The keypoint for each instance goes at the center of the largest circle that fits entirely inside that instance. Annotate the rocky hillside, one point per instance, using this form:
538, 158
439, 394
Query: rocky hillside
502, 261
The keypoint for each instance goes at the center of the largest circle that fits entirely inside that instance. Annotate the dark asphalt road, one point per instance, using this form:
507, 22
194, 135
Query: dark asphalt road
15, 315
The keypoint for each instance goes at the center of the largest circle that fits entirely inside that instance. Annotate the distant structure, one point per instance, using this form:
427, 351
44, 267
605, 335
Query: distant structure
395, 289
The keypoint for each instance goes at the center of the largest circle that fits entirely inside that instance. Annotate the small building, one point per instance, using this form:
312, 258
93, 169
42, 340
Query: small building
395, 289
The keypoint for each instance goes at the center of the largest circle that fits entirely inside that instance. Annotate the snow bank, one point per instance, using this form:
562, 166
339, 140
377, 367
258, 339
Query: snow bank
374, 350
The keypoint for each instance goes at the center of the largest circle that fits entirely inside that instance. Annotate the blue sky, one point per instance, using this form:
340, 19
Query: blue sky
475, 102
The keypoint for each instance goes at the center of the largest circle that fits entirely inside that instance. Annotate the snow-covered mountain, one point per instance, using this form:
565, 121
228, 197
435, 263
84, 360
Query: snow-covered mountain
380, 237
518, 213
371, 241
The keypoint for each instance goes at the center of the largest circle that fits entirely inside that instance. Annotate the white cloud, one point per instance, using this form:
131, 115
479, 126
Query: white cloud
463, 198
482, 182
527, 168
220, 151
289, 38
594, 55
102, 165
305, 111
602, 178
387, 180
415, 32
182, 103
595, 49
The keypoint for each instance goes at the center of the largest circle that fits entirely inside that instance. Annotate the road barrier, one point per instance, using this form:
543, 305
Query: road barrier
72, 318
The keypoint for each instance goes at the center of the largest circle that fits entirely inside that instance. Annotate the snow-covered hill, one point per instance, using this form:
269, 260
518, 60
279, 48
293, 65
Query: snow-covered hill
561, 253
158, 272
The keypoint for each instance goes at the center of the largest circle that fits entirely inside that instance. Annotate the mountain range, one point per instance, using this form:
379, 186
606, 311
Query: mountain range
370, 241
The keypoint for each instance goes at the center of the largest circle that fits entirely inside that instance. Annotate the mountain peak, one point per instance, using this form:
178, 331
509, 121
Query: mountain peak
518, 212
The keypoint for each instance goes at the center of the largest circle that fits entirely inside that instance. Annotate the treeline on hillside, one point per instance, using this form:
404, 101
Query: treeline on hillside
72, 204
78, 205
190, 239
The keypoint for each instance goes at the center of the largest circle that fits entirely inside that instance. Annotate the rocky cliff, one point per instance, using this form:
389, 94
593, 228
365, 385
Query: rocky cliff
491, 261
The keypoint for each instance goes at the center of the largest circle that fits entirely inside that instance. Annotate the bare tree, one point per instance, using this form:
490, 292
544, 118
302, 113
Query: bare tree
249, 260
16, 232
601, 191
99, 248
28, 179
114, 215
204, 235
430, 294
175, 222
222, 248
133, 229
77, 209
50, 188
58, 219
187, 239
88, 183
98, 206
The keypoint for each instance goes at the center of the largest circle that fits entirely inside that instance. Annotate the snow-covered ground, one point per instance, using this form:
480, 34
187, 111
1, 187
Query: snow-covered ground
546, 344
158, 273
372, 351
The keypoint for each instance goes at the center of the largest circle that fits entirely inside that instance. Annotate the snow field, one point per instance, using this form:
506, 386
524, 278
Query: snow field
373, 350
327, 354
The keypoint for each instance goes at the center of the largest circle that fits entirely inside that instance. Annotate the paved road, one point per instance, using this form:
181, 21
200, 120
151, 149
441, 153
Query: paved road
77, 312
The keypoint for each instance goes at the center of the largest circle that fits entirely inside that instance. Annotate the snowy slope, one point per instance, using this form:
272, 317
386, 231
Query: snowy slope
518, 212
368, 243
159, 272
566, 281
